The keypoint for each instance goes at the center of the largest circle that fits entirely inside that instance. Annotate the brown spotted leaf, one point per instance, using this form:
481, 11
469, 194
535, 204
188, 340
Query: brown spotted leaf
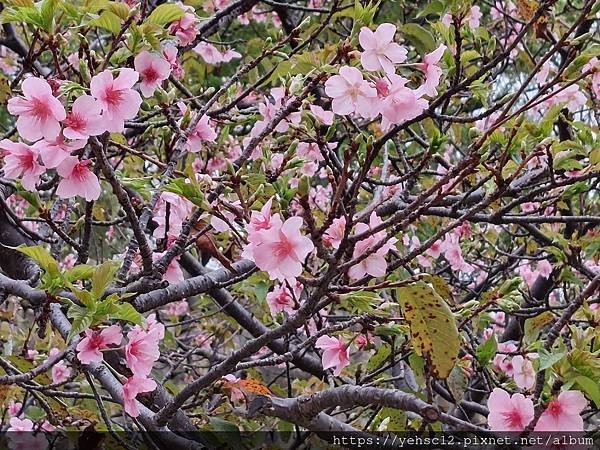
432, 326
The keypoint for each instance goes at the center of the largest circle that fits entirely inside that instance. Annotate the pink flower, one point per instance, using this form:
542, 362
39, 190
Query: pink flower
85, 119
88, 350
60, 371
542, 75
280, 299
39, 111
132, 387
154, 70
54, 152
335, 232
281, 249
523, 372
503, 362
211, 54
141, 351
260, 220
571, 96
325, 117
544, 268
350, 93
594, 64
14, 408
374, 264
231, 382
380, 50
447, 19
186, 28
474, 16
509, 413
77, 179
22, 160
170, 54
563, 413
310, 151
402, 103
20, 425
202, 132
118, 101
432, 70
335, 353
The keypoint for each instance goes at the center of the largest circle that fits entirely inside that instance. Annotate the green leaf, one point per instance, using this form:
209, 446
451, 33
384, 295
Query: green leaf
187, 190
109, 21
47, 9
548, 359
80, 272
165, 13
487, 350
103, 276
82, 320
361, 301
126, 311
379, 357
534, 325
40, 255
590, 387
432, 325
419, 36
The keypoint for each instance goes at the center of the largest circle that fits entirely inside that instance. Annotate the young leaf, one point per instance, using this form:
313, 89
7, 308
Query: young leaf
165, 14
103, 276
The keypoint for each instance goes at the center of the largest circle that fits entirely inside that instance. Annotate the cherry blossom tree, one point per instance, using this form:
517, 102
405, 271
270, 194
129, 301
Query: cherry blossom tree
313, 216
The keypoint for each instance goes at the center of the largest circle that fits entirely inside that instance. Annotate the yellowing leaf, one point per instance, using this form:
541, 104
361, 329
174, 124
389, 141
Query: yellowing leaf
432, 326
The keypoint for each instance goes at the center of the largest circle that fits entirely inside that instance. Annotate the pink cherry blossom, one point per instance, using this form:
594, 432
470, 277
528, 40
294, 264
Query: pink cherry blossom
21, 160
170, 54
335, 232
571, 96
380, 52
523, 372
54, 152
60, 371
374, 264
594, 64
503, 362
350, 93
260, 220
20, 425
154, 69
202, 132
88, 350
281, 249
310, 151
132, 387
118, 100
85, 119
186, 28
38, 110
509, 413
211, 54
14, 408
325, 117
474, 16
432, 70
77, 179
542, 75
402, 103
544, 268
563, 413
141, 351
179, 209
280, 299
335, 353
235, 393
